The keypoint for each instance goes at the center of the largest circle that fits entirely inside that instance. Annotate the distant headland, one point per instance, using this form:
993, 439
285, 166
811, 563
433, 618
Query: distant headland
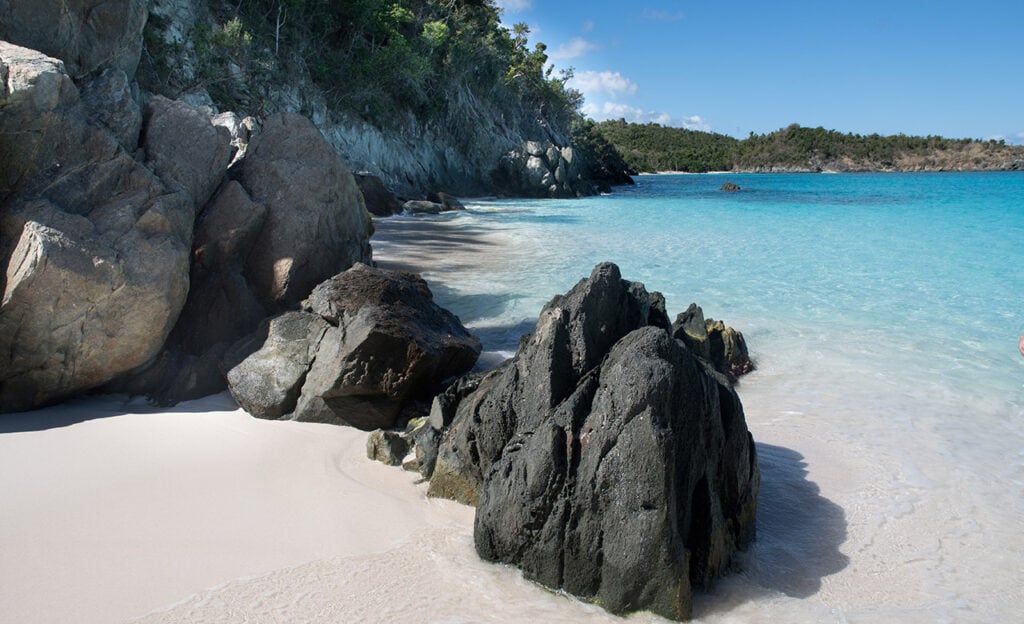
653, 147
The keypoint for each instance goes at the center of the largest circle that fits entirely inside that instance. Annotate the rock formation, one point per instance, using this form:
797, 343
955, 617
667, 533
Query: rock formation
95, 243
379, 200
722, 346
87, 35
366, 341
606, 459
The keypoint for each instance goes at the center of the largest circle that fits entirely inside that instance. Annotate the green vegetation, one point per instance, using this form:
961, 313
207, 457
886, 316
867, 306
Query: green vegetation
651, 147
379, 59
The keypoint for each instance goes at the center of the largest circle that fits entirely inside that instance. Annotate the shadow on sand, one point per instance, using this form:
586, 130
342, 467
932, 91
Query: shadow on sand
418, 245
799, 533
95, 407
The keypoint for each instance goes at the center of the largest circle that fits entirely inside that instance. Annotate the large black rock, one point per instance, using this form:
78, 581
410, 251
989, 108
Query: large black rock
606, 458
366, 341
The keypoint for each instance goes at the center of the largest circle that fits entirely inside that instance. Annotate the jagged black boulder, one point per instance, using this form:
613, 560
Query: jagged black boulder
606, 459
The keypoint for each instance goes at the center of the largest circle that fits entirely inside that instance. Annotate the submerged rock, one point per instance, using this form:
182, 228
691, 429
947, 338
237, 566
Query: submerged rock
367, 341
730, 187
605, 458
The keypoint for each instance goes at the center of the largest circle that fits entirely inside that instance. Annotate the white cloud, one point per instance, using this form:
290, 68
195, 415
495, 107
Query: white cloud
1016, 138
662, 16
513, 5
574, 49
618, 110
695, 122
588, 25
609, 83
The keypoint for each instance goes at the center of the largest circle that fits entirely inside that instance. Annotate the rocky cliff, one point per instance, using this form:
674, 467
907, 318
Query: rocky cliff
470, 149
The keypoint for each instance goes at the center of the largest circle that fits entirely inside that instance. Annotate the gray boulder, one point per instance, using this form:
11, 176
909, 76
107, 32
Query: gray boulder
385, 342
379, 200
422, 206
95, 248
184, 148
267, 382
450, 202
605, 459
316, 223
88, 35
111, 101
259, 248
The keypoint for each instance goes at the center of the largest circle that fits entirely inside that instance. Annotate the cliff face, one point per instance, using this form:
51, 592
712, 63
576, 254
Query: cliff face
471, 149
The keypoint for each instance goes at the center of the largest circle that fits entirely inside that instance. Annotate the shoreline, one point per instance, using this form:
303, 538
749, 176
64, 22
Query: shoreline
202, 513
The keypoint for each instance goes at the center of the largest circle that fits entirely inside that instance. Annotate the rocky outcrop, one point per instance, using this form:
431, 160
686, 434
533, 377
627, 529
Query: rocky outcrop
87, 35
184, 148
723, 347
288, 217
730, 187
542, 169
367, 341
606, 459
95, 244
316, 223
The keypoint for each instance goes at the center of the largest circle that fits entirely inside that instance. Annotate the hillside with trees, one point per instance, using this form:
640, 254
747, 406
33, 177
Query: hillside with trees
652, 147
443, 74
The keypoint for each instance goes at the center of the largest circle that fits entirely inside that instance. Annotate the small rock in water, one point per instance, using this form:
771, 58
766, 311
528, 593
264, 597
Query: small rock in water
729, 186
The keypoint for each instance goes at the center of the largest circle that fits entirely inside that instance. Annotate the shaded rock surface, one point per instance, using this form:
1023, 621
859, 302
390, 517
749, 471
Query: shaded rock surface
95, 245
605, 458
316, 223
88, 35
379, 200
288, 216
383, 342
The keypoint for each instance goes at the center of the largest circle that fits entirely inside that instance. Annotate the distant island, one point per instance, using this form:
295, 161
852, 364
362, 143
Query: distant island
653, 147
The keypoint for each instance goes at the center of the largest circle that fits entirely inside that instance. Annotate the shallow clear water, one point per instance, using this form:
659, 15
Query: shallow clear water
884, 313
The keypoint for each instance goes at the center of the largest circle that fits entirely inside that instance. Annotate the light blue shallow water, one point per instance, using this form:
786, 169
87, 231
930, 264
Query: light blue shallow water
884, 313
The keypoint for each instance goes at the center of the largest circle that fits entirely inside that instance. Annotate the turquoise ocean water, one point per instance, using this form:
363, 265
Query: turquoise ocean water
883, 312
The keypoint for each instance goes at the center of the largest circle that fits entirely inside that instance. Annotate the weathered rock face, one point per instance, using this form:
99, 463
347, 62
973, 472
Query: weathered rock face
367, 341
253, 258
605, 459
95, 247
379, 200
542, 169
316, 223
184, 148
723, 347
87, 35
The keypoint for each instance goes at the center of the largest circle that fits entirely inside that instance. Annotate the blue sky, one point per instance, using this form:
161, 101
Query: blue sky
949, 68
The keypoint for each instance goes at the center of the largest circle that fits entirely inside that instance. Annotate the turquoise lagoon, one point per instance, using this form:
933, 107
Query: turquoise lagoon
883, 312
